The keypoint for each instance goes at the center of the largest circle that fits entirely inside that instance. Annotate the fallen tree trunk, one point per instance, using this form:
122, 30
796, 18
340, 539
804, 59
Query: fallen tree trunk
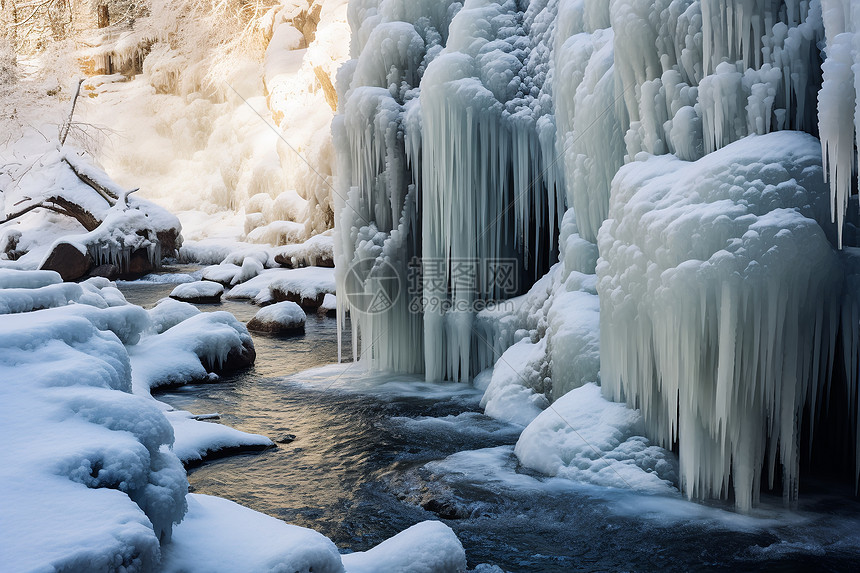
62, 206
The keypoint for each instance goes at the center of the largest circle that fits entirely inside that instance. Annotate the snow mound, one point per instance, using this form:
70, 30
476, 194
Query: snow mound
584, 437
426, 547
17, 300
191, 349
86, 445
719, 306
318, 251
305, 286
223, 273
169, 312
279, 318
11, 278
200, 292
516, 390
218, 535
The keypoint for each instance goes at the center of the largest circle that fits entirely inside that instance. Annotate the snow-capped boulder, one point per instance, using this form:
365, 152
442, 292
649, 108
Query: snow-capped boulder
281, 318
199, 292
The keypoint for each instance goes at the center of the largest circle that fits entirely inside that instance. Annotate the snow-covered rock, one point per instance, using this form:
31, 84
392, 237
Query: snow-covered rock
305, 286
218, 535
281, 318
426, 547
190, 350
516, 390
200, 292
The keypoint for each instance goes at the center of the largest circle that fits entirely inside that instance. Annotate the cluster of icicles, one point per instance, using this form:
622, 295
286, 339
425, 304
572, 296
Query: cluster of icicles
466, 130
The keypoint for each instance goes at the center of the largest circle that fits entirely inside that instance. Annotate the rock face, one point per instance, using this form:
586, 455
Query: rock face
200, 292
110, 272
67, 260
293, 262
138, 265
237, 359
280, 294
281, 318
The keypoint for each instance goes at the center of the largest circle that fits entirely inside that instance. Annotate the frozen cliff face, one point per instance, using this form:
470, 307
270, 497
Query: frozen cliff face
466, 131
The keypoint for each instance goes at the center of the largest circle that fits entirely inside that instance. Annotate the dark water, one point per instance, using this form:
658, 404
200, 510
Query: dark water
365, 461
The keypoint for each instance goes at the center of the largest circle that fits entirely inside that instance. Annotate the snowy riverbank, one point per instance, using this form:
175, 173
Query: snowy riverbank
104, 486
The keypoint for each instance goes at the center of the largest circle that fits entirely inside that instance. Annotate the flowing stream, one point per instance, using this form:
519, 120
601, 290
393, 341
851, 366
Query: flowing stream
374, 455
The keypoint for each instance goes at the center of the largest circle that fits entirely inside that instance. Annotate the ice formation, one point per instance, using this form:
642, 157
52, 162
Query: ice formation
720, 303
474, 130
587, 438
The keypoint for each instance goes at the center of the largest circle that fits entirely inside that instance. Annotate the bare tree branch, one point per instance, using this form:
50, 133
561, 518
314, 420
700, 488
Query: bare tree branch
62, 206
64, 132
105, 193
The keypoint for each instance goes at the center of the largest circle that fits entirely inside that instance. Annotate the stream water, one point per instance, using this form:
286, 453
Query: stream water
374, 455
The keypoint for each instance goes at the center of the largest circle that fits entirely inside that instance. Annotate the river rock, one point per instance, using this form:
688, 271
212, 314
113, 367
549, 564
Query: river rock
285, 438
281, 318
238, 359
200, 292
69, 261
110, 272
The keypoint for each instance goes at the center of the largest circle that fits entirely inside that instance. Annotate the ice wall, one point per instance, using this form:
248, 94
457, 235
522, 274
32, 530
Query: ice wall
720, 297
465, 132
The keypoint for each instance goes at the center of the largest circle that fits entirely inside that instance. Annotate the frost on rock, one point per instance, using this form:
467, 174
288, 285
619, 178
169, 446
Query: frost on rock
719, 304
586, 438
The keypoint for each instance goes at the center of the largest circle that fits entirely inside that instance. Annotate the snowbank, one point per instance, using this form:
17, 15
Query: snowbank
86, 445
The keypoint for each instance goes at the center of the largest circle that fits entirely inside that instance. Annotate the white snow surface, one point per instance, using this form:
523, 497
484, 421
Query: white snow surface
307, 282
426, 547
85, 443
287, 314
218, 535
584, 437
103, 486
197, 289
515, 393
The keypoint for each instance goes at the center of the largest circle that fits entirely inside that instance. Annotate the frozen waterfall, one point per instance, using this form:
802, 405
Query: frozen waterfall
467, 130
